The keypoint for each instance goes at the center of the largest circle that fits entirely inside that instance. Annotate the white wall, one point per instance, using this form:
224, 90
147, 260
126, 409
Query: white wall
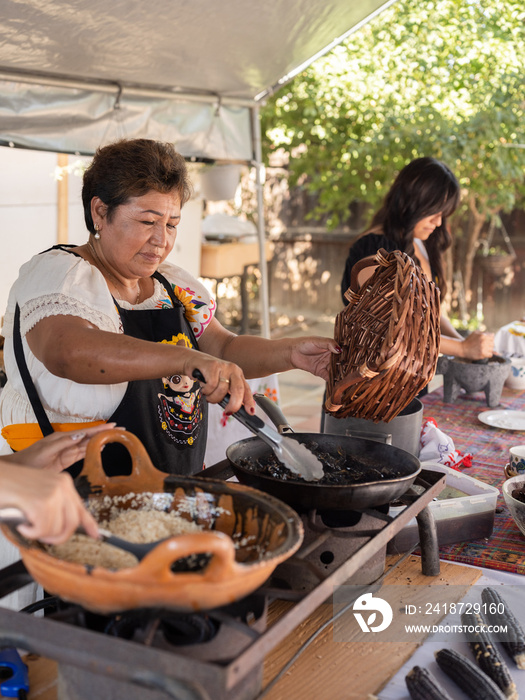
187, 249
28, 215
28, 210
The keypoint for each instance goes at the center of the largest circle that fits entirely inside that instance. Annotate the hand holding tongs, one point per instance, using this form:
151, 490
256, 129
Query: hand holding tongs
295, 456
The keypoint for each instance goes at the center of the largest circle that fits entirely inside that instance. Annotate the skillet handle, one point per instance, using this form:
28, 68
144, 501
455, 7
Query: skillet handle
144, 476
156, 566
274, 413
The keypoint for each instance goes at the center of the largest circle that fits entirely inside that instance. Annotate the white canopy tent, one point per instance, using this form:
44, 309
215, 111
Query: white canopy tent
75, 75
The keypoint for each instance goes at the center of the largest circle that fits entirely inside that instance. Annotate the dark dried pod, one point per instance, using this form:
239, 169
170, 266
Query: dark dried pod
487, 655
422, 685
514, 642
469, 677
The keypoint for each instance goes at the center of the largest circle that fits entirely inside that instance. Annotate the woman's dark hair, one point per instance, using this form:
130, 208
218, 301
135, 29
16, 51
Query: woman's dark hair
422, 188
131, 168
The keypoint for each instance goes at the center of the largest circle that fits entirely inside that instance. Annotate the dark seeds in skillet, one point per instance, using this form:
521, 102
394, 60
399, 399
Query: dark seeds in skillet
339, 467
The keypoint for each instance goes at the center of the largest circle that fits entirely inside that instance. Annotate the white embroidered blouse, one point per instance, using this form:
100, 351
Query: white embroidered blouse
59, 283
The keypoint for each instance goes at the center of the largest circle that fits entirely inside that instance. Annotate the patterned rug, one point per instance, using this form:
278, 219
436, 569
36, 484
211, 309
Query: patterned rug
505, 549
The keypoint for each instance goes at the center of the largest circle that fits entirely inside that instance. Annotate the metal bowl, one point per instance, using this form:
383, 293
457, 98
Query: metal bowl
516, 507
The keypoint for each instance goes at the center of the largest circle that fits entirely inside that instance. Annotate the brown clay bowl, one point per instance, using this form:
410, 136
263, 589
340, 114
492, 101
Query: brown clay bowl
246, 532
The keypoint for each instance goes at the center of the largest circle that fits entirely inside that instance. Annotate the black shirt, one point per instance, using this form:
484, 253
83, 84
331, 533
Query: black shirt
367, 245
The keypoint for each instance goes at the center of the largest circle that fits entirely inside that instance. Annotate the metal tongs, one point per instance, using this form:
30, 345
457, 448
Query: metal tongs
294, 455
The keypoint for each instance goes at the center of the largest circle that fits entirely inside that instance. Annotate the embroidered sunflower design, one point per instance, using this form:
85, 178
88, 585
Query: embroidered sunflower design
180, 339
191, 305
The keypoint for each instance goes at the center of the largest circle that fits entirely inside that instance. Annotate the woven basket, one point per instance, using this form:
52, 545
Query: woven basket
389, 335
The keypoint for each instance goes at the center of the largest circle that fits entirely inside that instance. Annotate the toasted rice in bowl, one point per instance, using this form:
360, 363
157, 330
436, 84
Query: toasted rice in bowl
144, 525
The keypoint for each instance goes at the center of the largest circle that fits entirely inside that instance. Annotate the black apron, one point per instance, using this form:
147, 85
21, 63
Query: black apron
168, 415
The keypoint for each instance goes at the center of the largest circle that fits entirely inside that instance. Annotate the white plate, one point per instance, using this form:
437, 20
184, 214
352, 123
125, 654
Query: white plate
508, 420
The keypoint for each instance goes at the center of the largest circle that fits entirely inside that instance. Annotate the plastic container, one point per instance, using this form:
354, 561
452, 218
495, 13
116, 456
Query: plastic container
459, 519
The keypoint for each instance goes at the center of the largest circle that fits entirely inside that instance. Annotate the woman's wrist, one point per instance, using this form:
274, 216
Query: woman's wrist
452, 346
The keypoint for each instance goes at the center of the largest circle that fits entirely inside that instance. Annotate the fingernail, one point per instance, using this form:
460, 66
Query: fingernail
252, 410
338, 349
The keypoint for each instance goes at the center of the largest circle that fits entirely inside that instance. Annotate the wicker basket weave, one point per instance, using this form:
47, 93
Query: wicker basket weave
389, 335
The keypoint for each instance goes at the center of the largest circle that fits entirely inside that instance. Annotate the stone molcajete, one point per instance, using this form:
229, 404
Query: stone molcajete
486, 376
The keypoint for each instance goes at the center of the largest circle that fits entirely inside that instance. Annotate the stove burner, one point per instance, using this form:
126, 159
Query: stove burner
346, 518
330, 539
191, 629
146, 625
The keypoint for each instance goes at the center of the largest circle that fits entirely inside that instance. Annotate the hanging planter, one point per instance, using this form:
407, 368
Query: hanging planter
497, 264
495, 260
220, 182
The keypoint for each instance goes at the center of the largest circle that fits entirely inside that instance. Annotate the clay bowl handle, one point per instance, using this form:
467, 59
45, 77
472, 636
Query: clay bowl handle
156, 566
143, 475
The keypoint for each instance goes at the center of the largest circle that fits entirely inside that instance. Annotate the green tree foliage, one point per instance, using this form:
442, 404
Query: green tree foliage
427, 77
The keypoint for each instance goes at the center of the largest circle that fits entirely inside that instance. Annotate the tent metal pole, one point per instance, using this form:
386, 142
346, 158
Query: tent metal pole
263, 266
124, 90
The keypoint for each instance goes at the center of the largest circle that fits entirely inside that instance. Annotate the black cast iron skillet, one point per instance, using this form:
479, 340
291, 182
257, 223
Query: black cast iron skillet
397, 469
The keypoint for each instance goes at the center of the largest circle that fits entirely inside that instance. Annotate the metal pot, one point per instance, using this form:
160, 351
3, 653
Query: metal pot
247, 533
403, 431
398, 469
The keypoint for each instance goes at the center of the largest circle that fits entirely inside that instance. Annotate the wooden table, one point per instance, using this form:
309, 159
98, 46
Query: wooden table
330, 670
221, 261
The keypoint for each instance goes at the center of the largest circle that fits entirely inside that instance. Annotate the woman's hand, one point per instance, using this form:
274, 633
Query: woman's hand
478, 346
49, 501
221, 378
313, 354
59, 450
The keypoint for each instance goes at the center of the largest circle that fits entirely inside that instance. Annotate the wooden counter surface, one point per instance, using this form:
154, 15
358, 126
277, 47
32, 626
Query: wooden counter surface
329, 670
220, 260
326, 670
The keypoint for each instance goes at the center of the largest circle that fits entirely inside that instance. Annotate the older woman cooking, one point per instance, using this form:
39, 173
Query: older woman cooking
110, 331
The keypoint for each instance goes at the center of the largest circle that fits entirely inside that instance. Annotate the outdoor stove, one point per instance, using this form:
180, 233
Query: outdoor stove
157, 654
